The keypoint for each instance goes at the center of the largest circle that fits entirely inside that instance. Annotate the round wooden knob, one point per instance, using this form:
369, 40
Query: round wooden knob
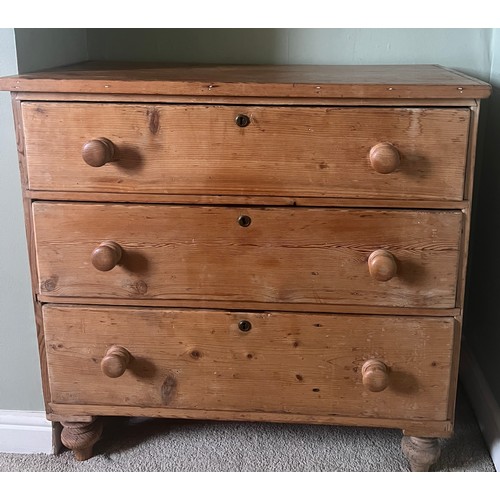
382, 265
98, 152
106, 256
384, 158
115, 361
375, 375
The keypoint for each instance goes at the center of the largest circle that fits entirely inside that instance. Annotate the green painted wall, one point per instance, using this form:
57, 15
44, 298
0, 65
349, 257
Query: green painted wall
466, 49
20, 384
47, 47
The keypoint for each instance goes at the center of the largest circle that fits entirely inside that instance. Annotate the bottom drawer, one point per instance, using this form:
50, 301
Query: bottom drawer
312, 364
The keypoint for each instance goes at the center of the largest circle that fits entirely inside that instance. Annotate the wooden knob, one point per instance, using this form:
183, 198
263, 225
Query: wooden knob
115, 361
98, 152
384, 158
382, 265
375, 375
106, 256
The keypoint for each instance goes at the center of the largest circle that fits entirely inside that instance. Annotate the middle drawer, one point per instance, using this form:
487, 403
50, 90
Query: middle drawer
401, 258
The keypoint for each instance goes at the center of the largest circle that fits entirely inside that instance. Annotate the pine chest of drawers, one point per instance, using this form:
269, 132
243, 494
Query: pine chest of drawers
274, 243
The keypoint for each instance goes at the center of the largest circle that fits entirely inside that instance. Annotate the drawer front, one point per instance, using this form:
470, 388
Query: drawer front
283, 151
278, 255
286, 363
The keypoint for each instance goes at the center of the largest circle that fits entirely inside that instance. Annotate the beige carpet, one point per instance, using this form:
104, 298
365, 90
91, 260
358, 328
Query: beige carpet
173, 445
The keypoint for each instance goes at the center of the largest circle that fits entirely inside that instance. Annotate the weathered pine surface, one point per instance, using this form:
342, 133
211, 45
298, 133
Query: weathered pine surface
287, 363
301, 232
295, 81
301, 255
179, 149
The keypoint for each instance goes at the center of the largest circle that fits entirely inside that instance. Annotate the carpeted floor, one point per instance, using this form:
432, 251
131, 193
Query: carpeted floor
173, 445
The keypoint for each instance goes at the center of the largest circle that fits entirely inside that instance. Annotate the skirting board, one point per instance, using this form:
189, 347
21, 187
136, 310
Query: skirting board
484, 403
25, 432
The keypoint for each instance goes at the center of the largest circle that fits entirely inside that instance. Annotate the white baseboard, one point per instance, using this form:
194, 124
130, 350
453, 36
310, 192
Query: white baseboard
484, 403
25, 432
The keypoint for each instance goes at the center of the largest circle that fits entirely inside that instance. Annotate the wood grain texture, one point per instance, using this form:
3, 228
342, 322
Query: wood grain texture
471, 162
305, 152
313, 256
252, 306
30, 241
374, 82
462, 269
455, 362
20, 140
422, 453
431, 428
179, 149
286, 363
260, 101
115, 362
375, 375
187, 199
80, 437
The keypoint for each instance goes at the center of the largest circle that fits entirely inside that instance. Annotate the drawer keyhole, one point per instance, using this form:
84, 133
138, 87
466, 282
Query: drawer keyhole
242, 120
244, 220
245, 326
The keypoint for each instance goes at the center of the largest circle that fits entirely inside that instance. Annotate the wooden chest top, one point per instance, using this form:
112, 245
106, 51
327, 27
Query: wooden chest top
298, 81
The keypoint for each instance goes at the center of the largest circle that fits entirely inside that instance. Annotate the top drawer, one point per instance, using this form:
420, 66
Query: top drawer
281, 151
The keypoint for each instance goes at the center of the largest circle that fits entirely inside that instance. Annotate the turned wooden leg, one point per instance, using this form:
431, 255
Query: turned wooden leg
80, 437
421, 452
